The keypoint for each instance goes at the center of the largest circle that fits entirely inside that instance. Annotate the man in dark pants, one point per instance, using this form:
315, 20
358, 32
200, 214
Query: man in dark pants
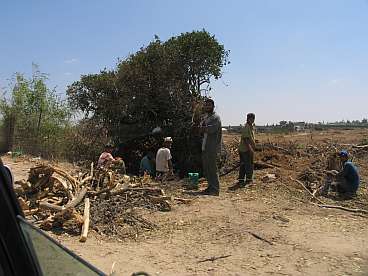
246, 153
346, 180
211, 147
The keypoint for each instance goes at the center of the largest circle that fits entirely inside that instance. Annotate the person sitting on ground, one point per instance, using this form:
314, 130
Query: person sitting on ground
147, 164
107, 161
346, 180
164, 167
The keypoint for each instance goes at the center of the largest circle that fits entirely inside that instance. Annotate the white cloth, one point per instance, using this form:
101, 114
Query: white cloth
162, 157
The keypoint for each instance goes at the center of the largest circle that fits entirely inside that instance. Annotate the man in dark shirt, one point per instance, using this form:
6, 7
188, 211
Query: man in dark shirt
347, 180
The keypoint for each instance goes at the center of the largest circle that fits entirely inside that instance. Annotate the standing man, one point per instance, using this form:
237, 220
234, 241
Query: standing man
164, 167
211, 147
246, 153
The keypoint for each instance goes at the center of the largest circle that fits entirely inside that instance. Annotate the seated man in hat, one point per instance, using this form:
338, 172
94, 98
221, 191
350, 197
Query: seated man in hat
107, 161
164, 167
346, 180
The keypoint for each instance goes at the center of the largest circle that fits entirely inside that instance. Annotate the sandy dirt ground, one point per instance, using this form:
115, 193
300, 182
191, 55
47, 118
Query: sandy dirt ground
264, 229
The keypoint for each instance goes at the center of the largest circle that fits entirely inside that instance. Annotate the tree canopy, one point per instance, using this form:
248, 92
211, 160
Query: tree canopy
154, 86
159, 85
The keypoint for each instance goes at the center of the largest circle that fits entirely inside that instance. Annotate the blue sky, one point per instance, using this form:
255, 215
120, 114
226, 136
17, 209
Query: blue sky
299, 60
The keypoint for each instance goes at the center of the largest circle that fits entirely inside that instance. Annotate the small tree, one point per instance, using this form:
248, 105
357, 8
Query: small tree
37, 116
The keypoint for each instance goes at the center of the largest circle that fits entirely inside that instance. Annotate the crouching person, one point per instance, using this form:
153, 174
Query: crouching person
346, 180
107, 161
147, 165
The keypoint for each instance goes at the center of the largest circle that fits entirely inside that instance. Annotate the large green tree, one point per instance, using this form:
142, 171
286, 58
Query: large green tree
156, 86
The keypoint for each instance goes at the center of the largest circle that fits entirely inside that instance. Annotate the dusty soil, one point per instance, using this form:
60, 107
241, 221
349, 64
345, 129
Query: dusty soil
264, 229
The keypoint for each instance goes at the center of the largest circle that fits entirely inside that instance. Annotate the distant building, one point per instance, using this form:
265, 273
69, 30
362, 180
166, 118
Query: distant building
299, 126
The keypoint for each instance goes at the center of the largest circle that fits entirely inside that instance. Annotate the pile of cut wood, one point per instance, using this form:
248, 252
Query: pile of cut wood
57, 200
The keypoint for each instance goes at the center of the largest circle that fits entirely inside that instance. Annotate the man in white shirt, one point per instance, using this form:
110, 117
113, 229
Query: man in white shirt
164, 166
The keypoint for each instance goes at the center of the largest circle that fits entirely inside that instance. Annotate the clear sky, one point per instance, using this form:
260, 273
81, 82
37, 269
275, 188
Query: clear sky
299, 60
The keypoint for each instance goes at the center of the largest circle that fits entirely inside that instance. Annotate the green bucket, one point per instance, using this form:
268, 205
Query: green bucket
194, 177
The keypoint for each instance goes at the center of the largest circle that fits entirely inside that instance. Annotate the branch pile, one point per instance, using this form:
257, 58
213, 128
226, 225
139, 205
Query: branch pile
106, 201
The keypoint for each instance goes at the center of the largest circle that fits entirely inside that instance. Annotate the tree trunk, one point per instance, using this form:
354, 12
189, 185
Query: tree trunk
8, 128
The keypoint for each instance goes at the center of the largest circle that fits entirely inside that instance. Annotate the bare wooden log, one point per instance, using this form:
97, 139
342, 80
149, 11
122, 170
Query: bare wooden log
77, 200
60, 181
73, 181
31, 211
91, 173
360, 146
57, 201
88, 178
305, 188
62, 209
354, 210
64, 185
111, 177
23, 204
49, 206
346, 145
85, 225
64, 174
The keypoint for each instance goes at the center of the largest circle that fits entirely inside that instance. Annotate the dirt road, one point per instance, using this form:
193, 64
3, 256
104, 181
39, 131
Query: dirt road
299, 239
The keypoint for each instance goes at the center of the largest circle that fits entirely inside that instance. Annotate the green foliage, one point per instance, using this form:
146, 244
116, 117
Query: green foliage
159, 85
197, 56
39, 118
156, 86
